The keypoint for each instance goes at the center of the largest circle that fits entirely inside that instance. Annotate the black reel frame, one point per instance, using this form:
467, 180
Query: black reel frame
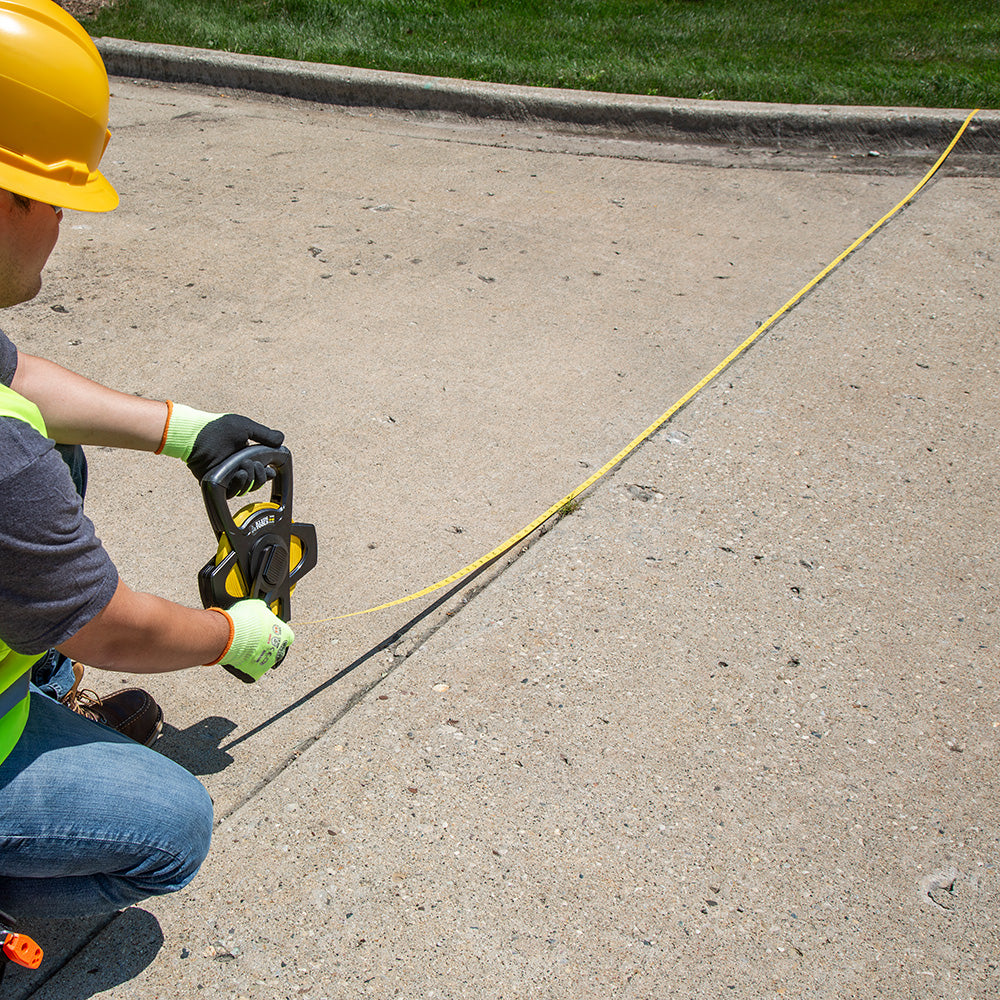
260, 547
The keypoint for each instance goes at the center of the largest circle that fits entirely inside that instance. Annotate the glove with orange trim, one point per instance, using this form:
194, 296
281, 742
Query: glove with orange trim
258, 640
203, 440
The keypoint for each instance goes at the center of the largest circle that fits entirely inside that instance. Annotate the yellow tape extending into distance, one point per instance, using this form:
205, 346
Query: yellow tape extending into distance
664, 417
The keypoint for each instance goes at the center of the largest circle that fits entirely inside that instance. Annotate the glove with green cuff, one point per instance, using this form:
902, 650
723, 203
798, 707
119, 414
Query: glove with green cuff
203, 440
259, 641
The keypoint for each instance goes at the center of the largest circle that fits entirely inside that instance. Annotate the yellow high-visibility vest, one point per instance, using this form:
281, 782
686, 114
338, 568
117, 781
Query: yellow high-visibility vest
15, 668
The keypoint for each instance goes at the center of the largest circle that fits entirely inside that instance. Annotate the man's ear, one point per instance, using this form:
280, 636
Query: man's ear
18, 199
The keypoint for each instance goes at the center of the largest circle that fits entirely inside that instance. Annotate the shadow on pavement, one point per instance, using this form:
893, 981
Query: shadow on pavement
197, 748
66, 941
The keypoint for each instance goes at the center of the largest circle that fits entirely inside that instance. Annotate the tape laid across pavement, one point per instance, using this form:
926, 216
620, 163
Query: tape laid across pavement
563, 502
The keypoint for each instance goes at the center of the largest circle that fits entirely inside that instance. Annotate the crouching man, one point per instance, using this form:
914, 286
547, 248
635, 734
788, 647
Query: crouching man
91, 820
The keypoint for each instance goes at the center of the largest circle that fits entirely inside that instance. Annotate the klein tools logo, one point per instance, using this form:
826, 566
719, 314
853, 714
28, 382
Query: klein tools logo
261, 519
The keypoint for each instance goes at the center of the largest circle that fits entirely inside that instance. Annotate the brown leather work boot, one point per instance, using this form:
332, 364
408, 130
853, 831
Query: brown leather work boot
131, 711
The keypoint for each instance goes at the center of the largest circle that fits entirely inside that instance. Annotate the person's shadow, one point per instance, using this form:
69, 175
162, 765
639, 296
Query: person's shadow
196, 748
70, 970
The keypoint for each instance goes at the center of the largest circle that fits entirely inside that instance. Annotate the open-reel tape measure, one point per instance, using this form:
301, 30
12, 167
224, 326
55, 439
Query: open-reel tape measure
262, 552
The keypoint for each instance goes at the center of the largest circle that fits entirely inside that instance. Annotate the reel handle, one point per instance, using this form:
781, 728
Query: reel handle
215, 482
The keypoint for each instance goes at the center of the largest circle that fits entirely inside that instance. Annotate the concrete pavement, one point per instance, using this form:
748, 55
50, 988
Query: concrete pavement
729, 728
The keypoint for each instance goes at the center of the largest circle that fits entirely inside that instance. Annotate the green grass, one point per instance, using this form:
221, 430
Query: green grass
931, 53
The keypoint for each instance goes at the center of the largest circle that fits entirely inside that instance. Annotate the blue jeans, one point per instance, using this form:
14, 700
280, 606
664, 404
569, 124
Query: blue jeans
91, 822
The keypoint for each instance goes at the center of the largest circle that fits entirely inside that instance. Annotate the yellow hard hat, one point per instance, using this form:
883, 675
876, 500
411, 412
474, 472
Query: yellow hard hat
53, 108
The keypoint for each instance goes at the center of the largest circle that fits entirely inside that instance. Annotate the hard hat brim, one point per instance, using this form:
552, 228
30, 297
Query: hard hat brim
96, 194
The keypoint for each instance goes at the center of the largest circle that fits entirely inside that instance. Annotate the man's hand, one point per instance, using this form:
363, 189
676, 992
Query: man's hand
225, 436
204, 440
259, 640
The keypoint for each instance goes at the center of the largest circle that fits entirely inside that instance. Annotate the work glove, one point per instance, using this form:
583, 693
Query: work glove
203, 440
258, 640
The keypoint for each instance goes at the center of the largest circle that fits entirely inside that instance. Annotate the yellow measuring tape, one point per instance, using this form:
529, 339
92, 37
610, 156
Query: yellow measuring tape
663, 418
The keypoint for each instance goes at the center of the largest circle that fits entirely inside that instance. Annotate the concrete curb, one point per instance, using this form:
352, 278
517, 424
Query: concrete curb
662, 118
